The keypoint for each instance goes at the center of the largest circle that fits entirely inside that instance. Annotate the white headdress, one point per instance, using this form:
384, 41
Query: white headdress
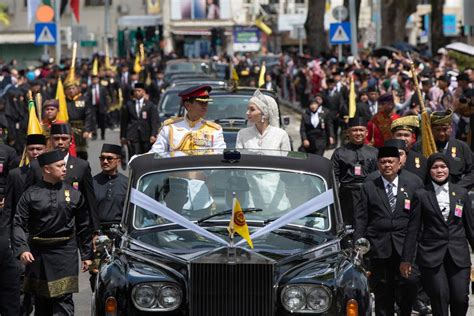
268, 106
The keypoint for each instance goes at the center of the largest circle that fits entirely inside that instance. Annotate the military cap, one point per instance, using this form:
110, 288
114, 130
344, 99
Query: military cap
409, 123
357, 121
111, 148
139, 85
384, 98
35, 139
51, 102
198, 93
441, 117
388, 151
50, 157
60, 129
398, 143
71, 82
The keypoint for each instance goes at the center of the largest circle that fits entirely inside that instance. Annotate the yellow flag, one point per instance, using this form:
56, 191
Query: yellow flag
137, 67
34, 127
428, 144
95, 67
238, 224
352, 99
233, 73
63, 115
261, 78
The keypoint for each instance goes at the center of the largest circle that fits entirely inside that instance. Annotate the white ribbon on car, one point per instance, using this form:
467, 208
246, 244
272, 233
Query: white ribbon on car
321, 201
144, 201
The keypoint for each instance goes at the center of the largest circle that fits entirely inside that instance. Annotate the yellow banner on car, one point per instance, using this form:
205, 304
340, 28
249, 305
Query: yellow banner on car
238, 224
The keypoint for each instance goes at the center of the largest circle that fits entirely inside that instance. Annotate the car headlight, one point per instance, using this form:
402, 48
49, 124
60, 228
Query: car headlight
293, 298
306, 298
157, 296
319, 299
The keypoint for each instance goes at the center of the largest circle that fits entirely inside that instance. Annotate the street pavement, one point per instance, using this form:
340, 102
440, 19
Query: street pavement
83, 298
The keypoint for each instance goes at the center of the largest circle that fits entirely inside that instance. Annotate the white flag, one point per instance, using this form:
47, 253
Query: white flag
32, 7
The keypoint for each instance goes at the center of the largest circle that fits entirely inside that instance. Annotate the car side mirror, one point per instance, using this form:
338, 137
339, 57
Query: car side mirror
286, 120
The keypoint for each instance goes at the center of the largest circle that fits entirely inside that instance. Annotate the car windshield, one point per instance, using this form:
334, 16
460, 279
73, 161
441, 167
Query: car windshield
171, 103
197, 67
227, 106
196, 194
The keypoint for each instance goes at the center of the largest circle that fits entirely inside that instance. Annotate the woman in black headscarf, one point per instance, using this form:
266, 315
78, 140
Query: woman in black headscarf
316, 127
441, 221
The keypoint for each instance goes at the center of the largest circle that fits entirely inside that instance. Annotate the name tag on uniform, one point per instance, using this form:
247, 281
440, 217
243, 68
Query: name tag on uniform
1, 167
458, 210
357, 170
144, 115
407, 204
75, 185
80, 104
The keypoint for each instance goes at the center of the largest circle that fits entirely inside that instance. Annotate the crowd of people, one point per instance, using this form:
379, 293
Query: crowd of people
387, 188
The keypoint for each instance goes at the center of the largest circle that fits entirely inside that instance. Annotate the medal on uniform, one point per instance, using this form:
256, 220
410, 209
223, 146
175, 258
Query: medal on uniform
79, 103
417, 162
75, 185
357, 169
453, 152
144, 115
458, 210
67, 196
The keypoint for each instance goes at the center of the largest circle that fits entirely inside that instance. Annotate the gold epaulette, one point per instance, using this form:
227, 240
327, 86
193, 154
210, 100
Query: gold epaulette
172, 120
213, 125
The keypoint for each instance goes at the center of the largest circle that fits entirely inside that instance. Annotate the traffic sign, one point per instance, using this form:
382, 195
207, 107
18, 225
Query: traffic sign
340, 13
340, 33
45, 34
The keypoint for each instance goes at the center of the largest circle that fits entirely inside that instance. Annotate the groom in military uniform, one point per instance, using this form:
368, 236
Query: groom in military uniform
191, 132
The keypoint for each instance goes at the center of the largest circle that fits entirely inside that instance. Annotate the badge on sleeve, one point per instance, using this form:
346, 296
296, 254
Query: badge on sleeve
75, 185
458, 209
357, 169
144, 115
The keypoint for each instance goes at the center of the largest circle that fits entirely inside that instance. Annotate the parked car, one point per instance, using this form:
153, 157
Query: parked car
173, 254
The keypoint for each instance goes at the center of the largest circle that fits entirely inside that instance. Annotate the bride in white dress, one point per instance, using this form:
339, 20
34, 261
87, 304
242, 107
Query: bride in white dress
263, 136
263, 120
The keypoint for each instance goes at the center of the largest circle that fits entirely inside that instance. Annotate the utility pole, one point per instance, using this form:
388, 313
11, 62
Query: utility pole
353, 18
57, 19
106, 21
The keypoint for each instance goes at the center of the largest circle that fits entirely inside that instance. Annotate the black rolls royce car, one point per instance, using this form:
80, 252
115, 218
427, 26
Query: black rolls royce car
173, 255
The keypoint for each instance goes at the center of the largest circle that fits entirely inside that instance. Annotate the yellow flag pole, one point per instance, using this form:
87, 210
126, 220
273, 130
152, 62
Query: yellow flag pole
39, 109
427, 140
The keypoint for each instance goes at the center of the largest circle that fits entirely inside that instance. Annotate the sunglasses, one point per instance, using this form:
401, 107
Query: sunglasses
102, 158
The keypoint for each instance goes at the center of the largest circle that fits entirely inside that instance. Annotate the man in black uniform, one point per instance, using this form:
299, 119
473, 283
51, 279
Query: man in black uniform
9, 271
110, 186
50, 217
139, 122
352, 163
405, 128
98, 97
81, 116
459, 153
381, 216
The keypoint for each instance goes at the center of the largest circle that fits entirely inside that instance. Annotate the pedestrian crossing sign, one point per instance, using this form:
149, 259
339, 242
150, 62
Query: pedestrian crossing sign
340, 33
45, 34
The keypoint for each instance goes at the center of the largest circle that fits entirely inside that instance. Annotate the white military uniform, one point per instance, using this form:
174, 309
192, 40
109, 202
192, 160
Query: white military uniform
181, 134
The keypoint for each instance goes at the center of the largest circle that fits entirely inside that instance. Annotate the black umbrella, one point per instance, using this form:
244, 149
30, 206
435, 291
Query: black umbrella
384, 51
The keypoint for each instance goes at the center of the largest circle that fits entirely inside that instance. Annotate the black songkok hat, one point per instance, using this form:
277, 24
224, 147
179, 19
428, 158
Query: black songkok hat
35, 139
60, 129
388, 151
139, 85
399, 143
111, 148
387, 97
357, 121
50, 157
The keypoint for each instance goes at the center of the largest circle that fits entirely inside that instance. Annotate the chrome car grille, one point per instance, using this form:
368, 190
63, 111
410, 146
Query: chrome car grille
223, 289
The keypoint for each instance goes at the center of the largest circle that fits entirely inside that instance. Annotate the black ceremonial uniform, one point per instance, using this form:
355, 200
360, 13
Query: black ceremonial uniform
352, 163
81, 118
52, 223
416, 163
9, 271
110, 192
